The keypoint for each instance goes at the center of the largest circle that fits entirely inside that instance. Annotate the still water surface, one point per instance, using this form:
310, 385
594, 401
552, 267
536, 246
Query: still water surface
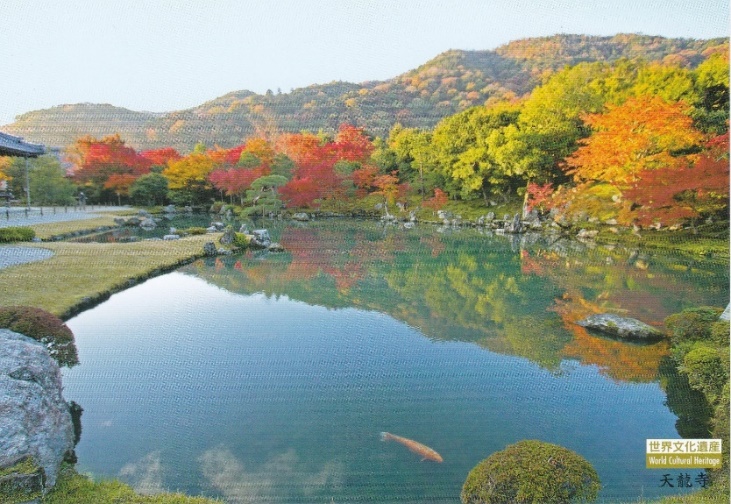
266, 377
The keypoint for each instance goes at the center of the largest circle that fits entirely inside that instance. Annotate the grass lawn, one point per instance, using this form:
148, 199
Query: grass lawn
73, 488
45, 231
80, 272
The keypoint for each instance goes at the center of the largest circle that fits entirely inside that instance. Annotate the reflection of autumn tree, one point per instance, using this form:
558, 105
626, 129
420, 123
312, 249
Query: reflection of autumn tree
618, 281
469, 287
619, 360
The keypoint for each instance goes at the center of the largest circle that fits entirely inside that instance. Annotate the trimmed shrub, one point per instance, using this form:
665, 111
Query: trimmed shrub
721, 428
705, 371
195, 230
531, 471
16, 234
720, 332
241, 240
44, 327
692, 325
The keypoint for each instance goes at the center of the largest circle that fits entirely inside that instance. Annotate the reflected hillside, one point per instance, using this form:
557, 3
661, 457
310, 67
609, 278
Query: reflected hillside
516, 296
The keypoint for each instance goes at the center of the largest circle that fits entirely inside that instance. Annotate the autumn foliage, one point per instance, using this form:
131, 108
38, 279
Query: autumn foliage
640, 135
673, 194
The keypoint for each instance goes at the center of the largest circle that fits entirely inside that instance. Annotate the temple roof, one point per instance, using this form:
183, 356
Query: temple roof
15, 146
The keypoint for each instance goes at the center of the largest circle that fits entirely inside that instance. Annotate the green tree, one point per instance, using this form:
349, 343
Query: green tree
263, 195
468, 148
282, 165
414, 153
48, 182
712, 105
550, 122
532, 472
150, 189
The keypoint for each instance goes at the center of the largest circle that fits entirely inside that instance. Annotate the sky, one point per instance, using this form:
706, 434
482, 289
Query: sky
165, 55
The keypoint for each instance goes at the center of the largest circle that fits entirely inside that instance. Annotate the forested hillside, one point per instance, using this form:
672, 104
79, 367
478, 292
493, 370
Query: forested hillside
451, 82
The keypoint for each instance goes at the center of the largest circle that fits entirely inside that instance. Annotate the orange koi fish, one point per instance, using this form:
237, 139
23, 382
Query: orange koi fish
424, 451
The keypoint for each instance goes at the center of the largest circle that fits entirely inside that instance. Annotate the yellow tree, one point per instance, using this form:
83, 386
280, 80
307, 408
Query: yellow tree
188, 178
644, 133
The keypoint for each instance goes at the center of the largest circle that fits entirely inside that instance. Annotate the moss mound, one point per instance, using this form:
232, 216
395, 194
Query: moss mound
531, 471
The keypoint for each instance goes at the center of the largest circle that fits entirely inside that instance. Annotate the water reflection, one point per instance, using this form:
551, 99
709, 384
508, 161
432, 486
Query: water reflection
282, 474
516, 295
268, 377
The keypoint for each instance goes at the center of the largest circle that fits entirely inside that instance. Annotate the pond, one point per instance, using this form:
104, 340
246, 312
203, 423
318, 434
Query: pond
269, 377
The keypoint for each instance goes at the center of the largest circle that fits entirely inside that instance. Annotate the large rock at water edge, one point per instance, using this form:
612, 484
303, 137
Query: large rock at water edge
261, 238
621, 327
209, 249
228, 237
35, 420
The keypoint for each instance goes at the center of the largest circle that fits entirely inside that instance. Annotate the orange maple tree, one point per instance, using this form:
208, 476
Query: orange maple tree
644, 133
673, 194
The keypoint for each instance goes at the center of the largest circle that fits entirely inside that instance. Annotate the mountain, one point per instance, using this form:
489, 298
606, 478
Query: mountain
449, 83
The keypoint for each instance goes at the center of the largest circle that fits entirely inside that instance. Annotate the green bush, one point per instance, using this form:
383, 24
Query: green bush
241, 240
194, 230
216, 207
44, 327
16, 234
531, 471
721, 431
720, 332
706, 371
692, 325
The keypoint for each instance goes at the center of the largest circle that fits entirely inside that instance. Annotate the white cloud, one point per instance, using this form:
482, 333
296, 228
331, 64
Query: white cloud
145, 475
228, 475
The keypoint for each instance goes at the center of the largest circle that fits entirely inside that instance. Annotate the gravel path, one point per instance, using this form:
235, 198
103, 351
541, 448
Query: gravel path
10, 255
17, 216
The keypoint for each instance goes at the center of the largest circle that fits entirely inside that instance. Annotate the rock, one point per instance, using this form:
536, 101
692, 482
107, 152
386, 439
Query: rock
170, 237
133, 221
220, 226
119, 221
514, 226
244, 229
144, 214
260, 238
408, 225
209, 249
275, 247
35, 418
445, 215
169, 209
20, 481
173, 230
211, 229
228, 236
301, 216
585, 234
148, 223
726, 314
621, 327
